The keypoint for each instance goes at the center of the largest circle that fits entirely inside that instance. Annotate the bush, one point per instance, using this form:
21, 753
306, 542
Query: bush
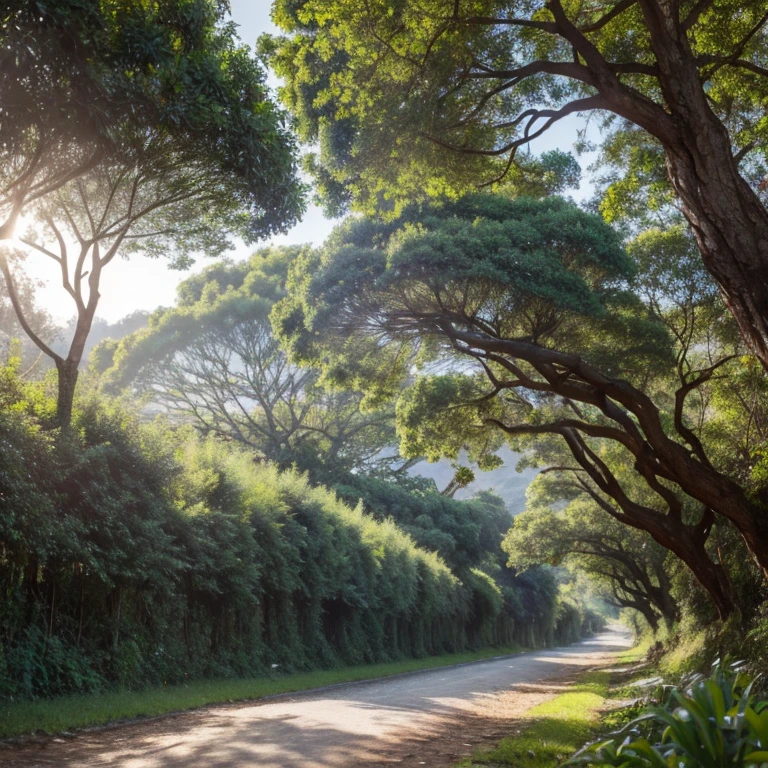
134, 554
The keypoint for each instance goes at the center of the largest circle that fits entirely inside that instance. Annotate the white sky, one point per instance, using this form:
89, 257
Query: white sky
142, 283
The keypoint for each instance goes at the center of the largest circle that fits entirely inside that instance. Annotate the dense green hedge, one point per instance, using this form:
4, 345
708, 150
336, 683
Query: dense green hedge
133, 554
465, 533
468, 535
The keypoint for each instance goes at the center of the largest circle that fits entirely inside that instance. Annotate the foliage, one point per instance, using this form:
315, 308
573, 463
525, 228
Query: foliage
213, 362
166, 192
713, 721
119, 540
491, 319
87, 82
408, 101
464, 533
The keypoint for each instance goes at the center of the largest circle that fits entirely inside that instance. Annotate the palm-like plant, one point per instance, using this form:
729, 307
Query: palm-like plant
710, 722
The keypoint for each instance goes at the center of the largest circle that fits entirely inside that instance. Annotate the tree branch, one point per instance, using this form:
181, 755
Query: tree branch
17, 308
617, 10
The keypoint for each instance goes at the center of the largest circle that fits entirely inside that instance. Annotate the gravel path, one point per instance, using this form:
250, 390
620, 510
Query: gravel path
426, 718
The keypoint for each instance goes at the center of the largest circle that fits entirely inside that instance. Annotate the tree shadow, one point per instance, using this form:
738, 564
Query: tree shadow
432, 718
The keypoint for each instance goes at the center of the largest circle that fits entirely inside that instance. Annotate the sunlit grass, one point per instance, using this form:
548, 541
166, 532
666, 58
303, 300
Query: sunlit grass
558, 728
72, 712
638, 652
686, 654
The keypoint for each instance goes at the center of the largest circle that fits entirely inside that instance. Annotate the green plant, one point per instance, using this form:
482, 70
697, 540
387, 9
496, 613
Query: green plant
707, 723
556, 727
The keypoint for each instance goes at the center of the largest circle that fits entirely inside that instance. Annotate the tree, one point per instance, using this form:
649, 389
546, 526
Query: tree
433, 98
168, 193
466, 534
627, 563
521, 314
81, 76
213, 361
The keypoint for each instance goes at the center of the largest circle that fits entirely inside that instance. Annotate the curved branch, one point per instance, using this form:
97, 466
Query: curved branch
17, 308
617, 10
552, 116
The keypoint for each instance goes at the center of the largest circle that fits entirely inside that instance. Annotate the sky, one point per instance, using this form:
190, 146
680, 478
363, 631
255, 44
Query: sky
143, 283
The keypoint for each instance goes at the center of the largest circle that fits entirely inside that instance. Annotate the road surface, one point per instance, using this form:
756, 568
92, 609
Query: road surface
427, 718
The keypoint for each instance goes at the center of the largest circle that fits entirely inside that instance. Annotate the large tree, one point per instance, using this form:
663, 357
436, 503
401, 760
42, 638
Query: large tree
164, 192
213, 362
521, 315
435, 96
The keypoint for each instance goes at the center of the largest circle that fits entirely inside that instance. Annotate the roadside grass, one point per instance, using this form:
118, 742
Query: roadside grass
80, 711
558, 728
688, 654
639, 651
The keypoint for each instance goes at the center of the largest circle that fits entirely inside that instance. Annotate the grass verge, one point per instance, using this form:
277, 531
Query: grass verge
558, 728
80, 711
638, 652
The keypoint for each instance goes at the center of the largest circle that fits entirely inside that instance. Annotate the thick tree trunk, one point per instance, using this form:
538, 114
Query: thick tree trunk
648, 614
68, 373
666, 603
663, 603
727, 217
710, 575
731, 228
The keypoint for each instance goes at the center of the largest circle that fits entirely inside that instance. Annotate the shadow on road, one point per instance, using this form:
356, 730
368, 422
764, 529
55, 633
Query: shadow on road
433, 717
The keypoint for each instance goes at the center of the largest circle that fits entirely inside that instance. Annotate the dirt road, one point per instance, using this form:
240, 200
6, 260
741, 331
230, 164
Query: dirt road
427, 718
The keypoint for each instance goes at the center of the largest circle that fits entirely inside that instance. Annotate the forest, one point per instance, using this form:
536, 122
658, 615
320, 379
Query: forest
240, 481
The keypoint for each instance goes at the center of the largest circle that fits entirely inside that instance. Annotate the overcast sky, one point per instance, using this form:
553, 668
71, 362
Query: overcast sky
142, 283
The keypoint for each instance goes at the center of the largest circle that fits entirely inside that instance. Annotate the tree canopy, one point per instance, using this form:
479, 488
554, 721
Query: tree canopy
86, 81
527, 323
213, 361
407, 101
173, 183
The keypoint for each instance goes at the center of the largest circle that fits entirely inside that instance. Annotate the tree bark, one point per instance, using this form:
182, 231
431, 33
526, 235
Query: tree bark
647, 612
667, 605
691, 549
68, 374
730, 224
729, 220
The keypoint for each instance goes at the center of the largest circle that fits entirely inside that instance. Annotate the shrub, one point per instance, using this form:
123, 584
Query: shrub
708, 723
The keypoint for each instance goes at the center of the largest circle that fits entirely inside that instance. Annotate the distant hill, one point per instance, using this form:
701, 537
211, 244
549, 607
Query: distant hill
506, 481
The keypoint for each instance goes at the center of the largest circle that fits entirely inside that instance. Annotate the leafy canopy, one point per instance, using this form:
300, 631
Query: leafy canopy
434, 98
213, 361
383, 297
86, 81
